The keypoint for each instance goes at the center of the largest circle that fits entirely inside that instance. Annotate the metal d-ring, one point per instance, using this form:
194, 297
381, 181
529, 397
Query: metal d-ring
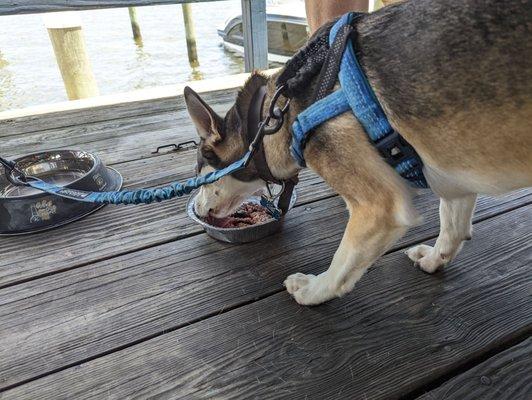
276, 113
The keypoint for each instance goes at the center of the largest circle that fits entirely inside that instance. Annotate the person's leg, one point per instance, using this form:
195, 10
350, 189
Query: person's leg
321, 11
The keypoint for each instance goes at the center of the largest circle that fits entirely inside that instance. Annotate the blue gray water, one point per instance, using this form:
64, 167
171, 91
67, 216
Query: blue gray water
29, 74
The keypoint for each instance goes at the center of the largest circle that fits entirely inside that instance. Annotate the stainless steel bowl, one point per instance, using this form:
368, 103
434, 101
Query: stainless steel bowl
240, 235
27, 210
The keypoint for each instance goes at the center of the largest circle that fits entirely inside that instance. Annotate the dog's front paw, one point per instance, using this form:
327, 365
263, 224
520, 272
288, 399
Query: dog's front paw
307, 290
426, 258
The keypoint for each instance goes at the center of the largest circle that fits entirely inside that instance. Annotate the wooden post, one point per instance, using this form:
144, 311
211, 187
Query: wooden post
255, 34
135, 27
191, 35
67, 39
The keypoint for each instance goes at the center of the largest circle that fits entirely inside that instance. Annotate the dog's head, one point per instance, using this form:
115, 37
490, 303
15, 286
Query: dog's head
222, 142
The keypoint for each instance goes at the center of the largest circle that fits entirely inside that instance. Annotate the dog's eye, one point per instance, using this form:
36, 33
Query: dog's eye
210, 156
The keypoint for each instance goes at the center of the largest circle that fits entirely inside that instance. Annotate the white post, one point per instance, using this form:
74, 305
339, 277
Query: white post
255, 34
64, 29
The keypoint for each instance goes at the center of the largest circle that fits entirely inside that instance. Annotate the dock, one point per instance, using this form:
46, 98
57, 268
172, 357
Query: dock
137, 302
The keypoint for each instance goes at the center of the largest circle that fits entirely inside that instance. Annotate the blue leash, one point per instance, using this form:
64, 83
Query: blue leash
268, 126
140, 196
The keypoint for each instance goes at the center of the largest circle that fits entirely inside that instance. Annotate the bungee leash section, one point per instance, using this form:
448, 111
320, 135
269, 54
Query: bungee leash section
268, 126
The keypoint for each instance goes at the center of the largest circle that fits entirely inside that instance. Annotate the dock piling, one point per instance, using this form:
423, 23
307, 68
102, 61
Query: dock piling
190, 35
64, 29
135, 27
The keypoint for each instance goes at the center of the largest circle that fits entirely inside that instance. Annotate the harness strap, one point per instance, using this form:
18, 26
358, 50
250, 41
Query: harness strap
356, 95
331, 67
313, 116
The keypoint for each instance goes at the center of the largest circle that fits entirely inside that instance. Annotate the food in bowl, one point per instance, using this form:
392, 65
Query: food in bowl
246, 215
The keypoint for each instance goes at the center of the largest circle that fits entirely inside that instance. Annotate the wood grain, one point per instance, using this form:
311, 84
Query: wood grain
11, 7
399, 329
505, 376
220, 100
114, 141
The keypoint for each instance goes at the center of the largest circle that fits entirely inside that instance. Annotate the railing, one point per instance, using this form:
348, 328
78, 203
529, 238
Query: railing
253, 19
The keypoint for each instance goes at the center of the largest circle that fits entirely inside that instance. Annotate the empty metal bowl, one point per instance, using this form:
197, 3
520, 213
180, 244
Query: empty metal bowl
240, 235
27, 210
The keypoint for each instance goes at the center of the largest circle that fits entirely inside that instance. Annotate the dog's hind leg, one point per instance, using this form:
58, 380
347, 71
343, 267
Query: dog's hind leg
455, 227
371, 230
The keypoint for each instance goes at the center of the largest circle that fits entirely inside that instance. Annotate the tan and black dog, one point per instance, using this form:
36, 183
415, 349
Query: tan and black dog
454, 78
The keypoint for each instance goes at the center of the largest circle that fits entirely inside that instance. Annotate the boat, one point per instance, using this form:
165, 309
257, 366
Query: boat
287, 31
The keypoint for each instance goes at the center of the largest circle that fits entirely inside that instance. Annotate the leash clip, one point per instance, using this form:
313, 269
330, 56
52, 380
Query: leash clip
268, 201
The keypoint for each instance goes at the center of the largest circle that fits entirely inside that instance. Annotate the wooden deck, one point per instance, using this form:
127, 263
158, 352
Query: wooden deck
137, 302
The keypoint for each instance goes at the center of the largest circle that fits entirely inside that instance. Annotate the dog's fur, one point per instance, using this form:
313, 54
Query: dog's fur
455, 78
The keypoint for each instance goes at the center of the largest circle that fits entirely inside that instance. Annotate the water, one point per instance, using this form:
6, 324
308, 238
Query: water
29, 74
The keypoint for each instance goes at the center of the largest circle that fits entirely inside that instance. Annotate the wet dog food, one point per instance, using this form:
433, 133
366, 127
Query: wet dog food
247, 214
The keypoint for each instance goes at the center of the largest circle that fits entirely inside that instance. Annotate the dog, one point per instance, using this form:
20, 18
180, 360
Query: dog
454, 77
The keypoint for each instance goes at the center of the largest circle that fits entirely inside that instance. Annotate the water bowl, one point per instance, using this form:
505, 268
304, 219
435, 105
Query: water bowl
26, 210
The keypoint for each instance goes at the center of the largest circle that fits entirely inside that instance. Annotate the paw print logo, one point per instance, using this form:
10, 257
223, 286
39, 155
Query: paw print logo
42, 211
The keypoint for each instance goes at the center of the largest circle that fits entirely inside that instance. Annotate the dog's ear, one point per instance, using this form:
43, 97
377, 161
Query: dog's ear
208, 123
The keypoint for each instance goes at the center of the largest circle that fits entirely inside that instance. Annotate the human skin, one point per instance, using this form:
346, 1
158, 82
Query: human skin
321, 11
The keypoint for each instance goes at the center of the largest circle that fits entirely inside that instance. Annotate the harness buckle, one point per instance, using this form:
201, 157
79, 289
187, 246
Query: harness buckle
394, 148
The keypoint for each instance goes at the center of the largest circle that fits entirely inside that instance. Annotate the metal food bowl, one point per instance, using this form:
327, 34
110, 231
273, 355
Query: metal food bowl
245, 234
26, 210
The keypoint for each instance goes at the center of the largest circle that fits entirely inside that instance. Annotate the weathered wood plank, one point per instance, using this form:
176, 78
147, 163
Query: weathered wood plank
10, 7
399, 329
113, 139
119, 229
505, 376
152, 290
219, 92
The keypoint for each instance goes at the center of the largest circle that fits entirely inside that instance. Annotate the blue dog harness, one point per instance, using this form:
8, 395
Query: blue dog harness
356, 95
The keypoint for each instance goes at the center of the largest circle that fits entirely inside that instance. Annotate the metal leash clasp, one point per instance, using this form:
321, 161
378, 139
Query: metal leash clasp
275, 113
268, 201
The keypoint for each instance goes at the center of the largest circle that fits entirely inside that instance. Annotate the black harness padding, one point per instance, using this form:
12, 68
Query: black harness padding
331, 66
317, 58
306, 63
